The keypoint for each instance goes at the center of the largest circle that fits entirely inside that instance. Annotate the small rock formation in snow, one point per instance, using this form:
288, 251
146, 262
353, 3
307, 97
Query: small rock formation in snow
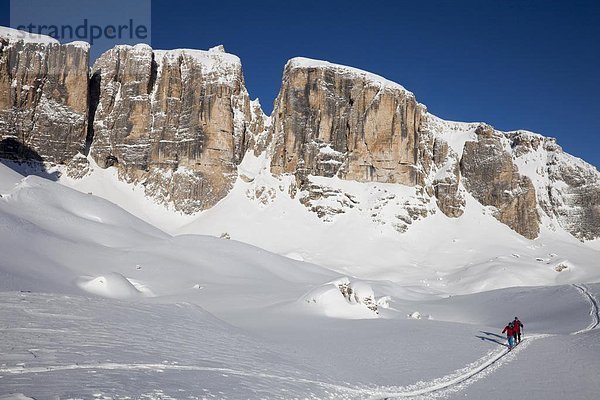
561, 267
345, 298
358, 294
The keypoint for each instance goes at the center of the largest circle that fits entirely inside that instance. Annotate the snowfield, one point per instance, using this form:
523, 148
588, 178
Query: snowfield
106, 295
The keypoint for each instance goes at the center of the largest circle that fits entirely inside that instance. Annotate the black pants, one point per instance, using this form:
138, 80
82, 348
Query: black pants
517, 337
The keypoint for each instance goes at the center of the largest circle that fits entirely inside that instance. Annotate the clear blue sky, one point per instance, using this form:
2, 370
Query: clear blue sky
514, 64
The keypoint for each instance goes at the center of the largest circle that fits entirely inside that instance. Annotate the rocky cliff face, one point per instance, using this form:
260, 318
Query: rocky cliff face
177, 121
440, 151
446, 187
180, 122
332, 120
43, 98
568, 189
492, 178
337, 121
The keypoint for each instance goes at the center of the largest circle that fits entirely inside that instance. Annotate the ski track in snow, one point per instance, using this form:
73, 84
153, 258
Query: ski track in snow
438, 387
594, 311
459, 380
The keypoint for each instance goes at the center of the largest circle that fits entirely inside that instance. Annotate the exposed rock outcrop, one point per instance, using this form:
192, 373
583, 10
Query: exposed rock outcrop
258, 128
493, 179
176, 121
326, 201
337, 121
450, 199
568, 189
43, 97
576, 205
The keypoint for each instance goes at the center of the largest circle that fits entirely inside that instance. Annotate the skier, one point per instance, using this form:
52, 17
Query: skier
517, 331
509, 330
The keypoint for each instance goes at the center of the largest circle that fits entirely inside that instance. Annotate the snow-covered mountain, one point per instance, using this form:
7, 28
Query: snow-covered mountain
181, 122
377, 250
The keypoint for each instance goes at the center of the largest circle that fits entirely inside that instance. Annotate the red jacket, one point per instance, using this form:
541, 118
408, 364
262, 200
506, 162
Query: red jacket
518, 326
509, 330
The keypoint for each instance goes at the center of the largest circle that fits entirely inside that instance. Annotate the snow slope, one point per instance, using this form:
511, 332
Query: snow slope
96, 303
449, 255
76, 347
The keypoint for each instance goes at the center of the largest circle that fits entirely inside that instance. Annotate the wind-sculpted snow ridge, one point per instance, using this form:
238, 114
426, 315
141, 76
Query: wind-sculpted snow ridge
113, 285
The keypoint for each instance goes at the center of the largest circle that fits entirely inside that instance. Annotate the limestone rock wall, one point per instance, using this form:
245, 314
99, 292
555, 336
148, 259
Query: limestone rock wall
490, 175
177, 121
330, 120
576, 200
568, 189
447, 191
43, 99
